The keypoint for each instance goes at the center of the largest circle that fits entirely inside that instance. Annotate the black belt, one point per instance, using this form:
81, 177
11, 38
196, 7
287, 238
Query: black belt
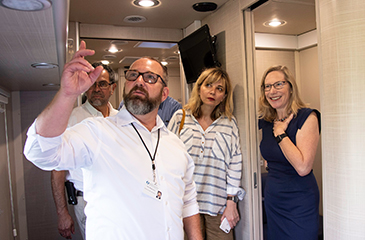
79, 193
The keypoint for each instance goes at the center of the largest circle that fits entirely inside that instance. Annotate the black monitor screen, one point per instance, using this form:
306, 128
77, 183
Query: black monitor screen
197, 53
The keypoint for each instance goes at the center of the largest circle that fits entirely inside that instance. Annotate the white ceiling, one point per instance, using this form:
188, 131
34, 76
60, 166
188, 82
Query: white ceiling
29, 37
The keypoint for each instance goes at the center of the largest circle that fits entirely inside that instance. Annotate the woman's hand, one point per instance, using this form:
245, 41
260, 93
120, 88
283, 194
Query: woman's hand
280, 127
231, 213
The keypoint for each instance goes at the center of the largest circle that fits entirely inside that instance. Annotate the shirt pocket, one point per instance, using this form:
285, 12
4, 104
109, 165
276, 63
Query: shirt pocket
221, 148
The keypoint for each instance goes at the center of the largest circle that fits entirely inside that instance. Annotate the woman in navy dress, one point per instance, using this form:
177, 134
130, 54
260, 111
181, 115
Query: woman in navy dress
290, 135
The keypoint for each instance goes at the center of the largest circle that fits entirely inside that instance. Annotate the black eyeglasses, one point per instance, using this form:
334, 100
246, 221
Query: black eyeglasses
101, 84
277, 85
148, 77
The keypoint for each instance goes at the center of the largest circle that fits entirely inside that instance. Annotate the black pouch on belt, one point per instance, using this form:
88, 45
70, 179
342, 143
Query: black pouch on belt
71, 193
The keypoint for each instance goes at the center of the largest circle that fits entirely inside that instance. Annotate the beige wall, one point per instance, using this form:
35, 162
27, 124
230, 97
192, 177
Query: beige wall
310, 93
341, 50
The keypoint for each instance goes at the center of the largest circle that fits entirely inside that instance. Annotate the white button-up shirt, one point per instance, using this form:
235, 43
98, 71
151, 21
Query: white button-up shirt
116, 167
78, 114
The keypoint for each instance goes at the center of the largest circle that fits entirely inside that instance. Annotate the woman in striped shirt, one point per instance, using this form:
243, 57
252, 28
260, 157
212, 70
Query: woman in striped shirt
210, 134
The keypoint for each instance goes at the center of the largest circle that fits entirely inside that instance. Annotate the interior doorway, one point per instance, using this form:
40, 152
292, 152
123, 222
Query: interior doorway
302, 60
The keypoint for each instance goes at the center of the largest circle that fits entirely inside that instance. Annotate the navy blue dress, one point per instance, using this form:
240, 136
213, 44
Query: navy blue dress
291, 201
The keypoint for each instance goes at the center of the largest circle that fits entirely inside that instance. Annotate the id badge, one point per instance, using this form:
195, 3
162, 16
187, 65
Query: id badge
152, 190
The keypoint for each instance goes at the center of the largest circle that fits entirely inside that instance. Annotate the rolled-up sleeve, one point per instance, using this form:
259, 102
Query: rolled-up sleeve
191, 206
234, 170
56, 153
41, 151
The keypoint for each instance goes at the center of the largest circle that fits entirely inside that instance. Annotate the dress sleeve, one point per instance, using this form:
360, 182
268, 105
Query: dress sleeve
234, 169
305, 112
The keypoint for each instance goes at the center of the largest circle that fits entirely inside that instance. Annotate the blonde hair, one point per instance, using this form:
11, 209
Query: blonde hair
212, 75
266, 111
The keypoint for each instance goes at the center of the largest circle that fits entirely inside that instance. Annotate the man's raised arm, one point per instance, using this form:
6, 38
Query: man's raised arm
78, 76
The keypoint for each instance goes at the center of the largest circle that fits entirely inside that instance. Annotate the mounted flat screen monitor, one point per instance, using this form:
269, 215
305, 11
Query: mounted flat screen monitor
197, 52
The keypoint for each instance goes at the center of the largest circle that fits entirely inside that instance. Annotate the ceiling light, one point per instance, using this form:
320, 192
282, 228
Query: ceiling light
44, 65
164, 63
146, 3
114, 49
105, 62
274, 23
29, 5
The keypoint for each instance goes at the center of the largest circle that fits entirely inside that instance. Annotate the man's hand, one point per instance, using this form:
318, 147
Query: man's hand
66, 225
78, 74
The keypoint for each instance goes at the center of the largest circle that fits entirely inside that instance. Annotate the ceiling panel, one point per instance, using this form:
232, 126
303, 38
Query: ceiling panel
299, 15
29, 37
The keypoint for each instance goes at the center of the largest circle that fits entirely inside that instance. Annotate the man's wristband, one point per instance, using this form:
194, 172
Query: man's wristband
280, 137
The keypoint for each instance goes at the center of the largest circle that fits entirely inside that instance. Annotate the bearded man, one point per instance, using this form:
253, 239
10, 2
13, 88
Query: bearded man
127, 159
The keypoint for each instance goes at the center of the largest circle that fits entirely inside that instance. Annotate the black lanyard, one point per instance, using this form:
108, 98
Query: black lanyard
154, 155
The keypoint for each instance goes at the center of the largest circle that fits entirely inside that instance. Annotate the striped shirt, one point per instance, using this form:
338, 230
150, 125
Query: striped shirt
218, 159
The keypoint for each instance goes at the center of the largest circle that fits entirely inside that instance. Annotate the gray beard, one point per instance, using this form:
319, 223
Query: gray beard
96, 103
141, 106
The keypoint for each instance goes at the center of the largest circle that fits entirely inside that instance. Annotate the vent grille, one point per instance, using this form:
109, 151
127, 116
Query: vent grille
134, 19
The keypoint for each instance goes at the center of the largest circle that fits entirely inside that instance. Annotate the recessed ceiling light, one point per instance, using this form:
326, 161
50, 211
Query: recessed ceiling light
44, 65
274, 23
146, 3
105, 62
113, 49
29, 5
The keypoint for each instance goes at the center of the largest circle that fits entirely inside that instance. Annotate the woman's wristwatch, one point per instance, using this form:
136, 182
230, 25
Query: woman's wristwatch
233, 198
280, 137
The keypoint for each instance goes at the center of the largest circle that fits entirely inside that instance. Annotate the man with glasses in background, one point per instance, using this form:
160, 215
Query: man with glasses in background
127, 159
97, 105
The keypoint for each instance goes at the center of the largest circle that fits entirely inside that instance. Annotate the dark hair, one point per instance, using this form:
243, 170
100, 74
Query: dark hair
108, 69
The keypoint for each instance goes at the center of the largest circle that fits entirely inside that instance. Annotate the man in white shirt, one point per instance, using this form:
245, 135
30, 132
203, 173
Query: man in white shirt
138, 177
96, 105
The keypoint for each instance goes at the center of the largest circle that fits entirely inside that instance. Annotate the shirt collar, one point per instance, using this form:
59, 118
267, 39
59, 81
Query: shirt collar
124, 118
95, 112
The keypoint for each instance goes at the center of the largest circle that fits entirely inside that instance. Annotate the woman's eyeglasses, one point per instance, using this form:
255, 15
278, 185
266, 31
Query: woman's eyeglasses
277, 85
